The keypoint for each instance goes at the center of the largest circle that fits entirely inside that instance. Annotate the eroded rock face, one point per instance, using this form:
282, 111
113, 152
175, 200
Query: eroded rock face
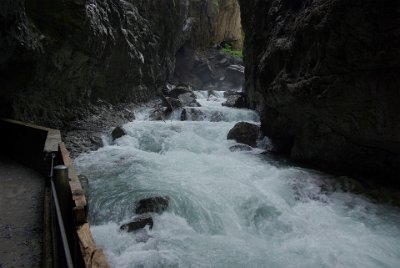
214, 22
228, 26
325, 77
59, 57
244, 132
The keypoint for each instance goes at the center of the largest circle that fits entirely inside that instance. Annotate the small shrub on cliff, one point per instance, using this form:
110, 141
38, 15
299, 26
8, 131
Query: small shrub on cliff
236, 53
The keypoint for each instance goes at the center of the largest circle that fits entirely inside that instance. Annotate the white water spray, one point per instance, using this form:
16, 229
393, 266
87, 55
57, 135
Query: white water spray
227, 209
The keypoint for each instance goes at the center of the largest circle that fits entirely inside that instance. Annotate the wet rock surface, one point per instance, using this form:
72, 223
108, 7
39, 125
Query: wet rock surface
68, 56
244, 132
85, 134
137, 223
324, 77
117, 133
235, 101
212, 69
156, 204
240, 147
78, 67
57, 60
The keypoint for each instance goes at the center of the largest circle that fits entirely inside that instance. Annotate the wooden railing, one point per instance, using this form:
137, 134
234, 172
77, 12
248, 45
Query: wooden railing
91, 255
72, 244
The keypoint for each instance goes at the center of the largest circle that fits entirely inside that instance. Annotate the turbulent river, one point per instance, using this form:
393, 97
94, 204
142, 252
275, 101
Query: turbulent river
227, 209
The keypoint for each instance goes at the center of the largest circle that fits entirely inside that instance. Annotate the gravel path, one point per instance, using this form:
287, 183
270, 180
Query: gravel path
21, 220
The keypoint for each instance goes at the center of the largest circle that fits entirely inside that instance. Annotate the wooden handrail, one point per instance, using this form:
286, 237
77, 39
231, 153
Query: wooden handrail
93, 256
34, 146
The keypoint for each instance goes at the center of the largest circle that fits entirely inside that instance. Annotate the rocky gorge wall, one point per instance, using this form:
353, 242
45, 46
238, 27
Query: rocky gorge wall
60, 59
325, 76
57, 57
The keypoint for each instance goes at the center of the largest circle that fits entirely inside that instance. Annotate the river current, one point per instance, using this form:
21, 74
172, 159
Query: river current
227, 209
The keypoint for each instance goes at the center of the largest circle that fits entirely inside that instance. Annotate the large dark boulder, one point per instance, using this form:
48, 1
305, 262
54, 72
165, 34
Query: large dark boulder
188, 99
244, 132
235, 75
174, 103
156, 204
324, 76
137, 223
117, 133
232, 93
235, 101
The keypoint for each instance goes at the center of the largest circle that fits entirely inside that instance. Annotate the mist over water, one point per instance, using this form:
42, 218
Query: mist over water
227, 209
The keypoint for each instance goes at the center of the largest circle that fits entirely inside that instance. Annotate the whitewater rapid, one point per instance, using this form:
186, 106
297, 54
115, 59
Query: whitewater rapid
227, 209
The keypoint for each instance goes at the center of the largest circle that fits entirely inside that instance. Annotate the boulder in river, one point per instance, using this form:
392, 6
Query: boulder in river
195, 115
232, 92
244, 132
182, 93
179, 90
117, 133
189, 99
184, 115
217, 117
137, 223
235, 101
174, 103
235, 75
156, 204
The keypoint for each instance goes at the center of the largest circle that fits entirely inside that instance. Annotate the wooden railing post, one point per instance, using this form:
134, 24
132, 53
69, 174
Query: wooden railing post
61, 182
62, 209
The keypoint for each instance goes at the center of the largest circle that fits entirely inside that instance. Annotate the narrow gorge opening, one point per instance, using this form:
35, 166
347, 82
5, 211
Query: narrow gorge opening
196, 157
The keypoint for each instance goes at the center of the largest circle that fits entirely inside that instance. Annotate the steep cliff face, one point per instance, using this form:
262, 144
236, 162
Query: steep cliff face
59, 56
326, 77
214, 22
227, 26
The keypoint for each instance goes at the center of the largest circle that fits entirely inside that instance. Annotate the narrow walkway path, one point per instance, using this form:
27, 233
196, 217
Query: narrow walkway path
21, 215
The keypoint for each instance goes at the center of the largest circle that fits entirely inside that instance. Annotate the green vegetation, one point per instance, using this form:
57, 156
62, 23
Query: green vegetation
236, 53
216, 4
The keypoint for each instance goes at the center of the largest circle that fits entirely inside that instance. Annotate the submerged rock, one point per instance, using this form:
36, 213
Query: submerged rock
244, 132
85, 185
195, 115
117, 133
189, 99
156, 204
183, 115
217, 117
137, 223
240, 147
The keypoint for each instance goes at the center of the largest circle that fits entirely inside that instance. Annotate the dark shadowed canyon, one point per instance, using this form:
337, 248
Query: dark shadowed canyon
220, 133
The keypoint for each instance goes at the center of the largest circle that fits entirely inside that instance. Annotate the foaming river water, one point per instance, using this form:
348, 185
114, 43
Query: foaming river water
227, 209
